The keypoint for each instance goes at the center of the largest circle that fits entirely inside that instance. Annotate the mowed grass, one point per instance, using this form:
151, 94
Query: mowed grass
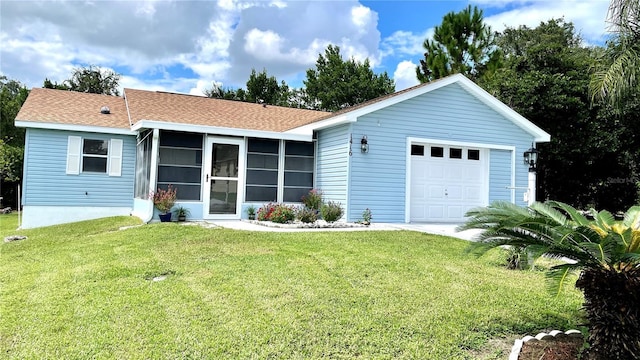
84, 290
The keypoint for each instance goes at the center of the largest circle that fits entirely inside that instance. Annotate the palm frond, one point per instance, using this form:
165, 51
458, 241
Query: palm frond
549, 211
574, 214
632, 218
558, 276
603, 219
614, 83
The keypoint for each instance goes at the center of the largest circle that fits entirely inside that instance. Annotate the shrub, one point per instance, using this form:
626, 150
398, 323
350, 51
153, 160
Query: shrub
331, 211
264, 213
307, 215
366, 216
313, 200
282, 214
517, 258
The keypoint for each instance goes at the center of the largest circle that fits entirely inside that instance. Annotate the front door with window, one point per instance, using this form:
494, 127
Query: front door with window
224, 180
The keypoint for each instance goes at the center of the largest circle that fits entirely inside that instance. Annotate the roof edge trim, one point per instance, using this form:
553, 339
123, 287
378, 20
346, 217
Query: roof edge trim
323, 124
163, 125
67, 127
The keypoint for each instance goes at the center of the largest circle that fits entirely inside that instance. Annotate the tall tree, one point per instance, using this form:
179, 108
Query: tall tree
91, 79
618, 78
12, 96
589, 161
463, 44
48, 84
262, 88
336, 84
218, 92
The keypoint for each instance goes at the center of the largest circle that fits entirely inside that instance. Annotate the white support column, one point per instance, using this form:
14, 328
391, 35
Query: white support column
531, 188
153, 170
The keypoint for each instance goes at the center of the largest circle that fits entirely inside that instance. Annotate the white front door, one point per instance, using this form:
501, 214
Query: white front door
224, 178
447, 181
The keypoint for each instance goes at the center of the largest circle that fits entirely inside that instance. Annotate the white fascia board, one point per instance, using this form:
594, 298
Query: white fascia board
497, 105
322, 124
68, 127
163, 125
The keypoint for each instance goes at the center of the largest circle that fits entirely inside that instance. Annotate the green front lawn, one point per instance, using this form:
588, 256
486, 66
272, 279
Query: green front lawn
84, 291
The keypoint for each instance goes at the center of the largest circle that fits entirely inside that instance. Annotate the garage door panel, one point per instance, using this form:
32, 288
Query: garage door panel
472, 173
435, 171
419, 211
455, 192
436, 192
419, 191
455, 211
443, 189
454, 173
473, 193
436, 212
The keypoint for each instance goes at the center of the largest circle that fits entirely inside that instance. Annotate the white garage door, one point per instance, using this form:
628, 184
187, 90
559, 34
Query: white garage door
447, 181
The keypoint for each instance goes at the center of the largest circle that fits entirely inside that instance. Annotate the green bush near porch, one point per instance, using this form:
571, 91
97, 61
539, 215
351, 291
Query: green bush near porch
87, 290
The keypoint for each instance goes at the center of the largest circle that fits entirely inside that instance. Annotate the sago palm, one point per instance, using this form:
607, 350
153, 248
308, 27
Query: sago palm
605, 251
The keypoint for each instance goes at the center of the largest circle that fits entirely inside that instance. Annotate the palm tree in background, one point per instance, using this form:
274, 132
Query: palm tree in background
619, 77
605, 251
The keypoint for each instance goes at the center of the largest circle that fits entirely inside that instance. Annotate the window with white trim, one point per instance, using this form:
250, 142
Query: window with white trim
95, 155
92, 155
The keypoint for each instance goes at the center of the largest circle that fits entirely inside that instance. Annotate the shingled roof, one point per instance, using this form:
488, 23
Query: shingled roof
73, 108
198, 110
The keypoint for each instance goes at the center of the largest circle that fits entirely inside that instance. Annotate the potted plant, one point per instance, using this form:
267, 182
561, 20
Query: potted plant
251, 212
182, 213
164, 200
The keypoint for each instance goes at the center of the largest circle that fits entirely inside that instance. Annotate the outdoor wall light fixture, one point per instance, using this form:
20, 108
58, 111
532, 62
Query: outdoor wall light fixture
531, 158
364, 144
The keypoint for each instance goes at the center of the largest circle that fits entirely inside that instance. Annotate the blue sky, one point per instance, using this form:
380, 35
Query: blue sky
187, 46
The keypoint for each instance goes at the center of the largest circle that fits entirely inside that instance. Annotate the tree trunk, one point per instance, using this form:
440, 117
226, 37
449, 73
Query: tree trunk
612, 303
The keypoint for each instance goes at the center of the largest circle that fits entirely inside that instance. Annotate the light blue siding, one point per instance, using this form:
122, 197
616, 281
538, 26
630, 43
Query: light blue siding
332, 161
378, 178
46, 181
500, 175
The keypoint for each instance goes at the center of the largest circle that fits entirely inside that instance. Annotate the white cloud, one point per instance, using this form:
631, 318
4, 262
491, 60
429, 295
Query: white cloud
405, 43
405, 75
588, 17
181, 45
361, 17
288, 41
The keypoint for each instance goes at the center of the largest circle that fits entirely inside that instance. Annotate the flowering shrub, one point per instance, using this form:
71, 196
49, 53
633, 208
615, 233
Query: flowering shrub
282, 214
331, 211
264, 213
306, 215
164, 200
313, 200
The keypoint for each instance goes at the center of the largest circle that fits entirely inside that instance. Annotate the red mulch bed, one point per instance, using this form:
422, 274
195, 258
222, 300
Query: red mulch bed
557, 349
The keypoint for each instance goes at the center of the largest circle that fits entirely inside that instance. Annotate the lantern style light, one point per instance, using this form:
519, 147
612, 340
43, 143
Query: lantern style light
364, 144
531, 158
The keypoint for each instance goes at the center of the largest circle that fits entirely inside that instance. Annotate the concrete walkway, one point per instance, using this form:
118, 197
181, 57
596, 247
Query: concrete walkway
438, 229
